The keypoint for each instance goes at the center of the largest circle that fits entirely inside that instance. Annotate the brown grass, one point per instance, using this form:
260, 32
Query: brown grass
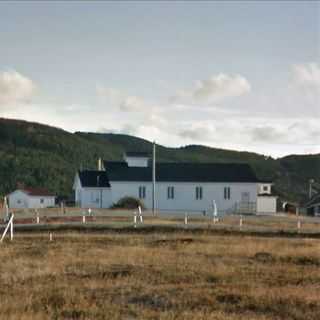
159, 276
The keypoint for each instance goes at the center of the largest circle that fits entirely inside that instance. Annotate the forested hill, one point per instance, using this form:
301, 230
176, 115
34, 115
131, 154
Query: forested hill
40, 155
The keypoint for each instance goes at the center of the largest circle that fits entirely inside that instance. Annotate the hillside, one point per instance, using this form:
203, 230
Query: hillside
40, 155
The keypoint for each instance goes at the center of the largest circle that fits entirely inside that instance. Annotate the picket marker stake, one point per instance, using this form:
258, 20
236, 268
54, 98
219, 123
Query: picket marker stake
215, 212
240, 222
11, 230
140, 214
9, 225
135, 219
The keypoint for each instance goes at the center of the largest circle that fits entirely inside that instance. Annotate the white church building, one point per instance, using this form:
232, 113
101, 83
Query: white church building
188, 187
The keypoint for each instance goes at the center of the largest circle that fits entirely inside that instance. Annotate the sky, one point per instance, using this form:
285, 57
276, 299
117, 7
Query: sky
233, 75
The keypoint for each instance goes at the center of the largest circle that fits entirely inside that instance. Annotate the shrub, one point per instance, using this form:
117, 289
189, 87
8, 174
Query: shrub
128, 203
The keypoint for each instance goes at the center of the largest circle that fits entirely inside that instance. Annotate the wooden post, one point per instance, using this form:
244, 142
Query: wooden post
50, 236
215, 214
135, 219
37, 218
6, 206
9, 225
11, 229
186, 218
240, 222
299, 225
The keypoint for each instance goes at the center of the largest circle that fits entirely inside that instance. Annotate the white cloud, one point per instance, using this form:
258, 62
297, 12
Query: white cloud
132, 103
307, 75
120, 100
200, 131
15, 89
214, 89
271, 123
267, 134
304, 89
109, 95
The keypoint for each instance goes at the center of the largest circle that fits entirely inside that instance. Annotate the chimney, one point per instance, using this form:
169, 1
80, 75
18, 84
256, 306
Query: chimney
100, 166
20, 185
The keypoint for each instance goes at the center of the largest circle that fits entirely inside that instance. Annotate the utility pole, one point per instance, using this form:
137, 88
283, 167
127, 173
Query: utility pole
154, 178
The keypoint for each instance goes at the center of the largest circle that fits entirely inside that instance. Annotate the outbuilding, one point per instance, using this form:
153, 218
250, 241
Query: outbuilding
267, 203
31, 198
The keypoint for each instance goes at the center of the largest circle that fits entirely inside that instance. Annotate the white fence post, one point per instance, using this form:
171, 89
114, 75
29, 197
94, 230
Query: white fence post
186, 218
6, 207
84, 218
9, 225
299, 225
215, 212
240, 222
135, 219
11, 230
140, 214
50, 236
37, 216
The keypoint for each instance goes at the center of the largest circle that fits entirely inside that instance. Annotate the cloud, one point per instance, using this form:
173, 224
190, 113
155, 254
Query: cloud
214, 89
120, 100
267, 134
110, 95
211, 91
197, 132
132, 103
307, 75
269, 122
15, 89
305, 88
293, 132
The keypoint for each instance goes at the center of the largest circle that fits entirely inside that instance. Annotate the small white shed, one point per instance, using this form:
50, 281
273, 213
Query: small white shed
31, 198
266, 204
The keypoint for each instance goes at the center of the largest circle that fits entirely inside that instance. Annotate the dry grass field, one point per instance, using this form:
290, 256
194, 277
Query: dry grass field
175, 275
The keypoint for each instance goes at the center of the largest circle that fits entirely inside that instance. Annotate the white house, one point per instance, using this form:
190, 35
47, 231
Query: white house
31, 198
178, 186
